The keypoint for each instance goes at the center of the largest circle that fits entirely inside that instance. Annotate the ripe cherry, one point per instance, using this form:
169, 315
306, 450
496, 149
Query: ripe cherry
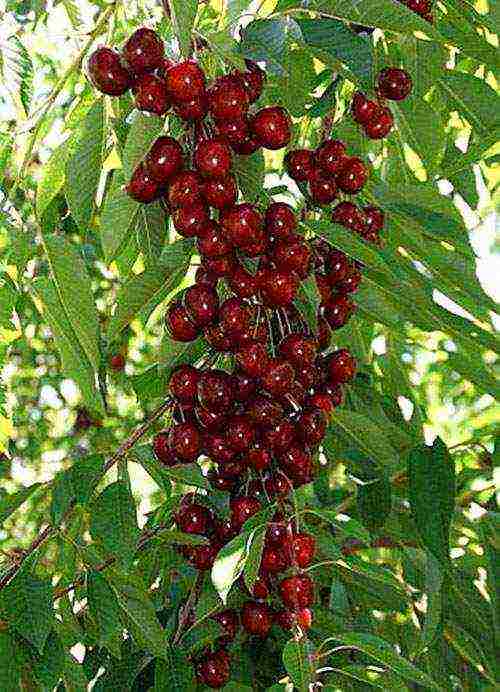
380, 125
107, 72
194, 519
274, 560
184, 189
220, 266
242, 282
258, 457
374, 218
363, 109
303, 548
299, 349
117, 362
214, 669
311, 426
220, 193
293, 255
280, 437
213, 158
234, 316
278, 377
341, 366
150, 94
194, 109
244, 386
297, 464
300, 164
202, 557
278, 287
184, 383
218, 339
324, 333
253, 80
271, 126
240, 433
304, 618
142, 187
185, 441
350, 283
228, 99
394, 84
233, 131
202, 304
297, 592
228, 620
278, 485
162, 450
265, 412
212, 242
330, 156
190, 221
252, 359
210, 421
285, 619
335, 392
280, 220
215, 390
338, 311
179, 324
260, 589
216, 447
322, 401
242, 508
144, 51
242, 224
185, 82
256, 618
353, 175
322, 187
164, 159
247, 146
349, 215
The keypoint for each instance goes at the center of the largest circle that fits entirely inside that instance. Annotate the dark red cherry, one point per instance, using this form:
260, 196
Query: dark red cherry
303, 548
220, 266
191, 221
394, 84
278, 287
185, 441
117, 362
311, 426
324, 288
228, 620
213, 158
220, 193
260, 588
277, 535
335, 392
184, 189
322, 401
142, 187
244, 386
240, 433
351, 282
144, 51
247, 146
256, 619
272, 126
299, 349
341, 366
285, 619
228, 99
252, 359
278, 485
214, 669
218, 339
242, 224
265, 412
297, 464
210, 421
234, 316
233, 131
338, 311
185, 82
293, 255
242, 508
194, 109
179, 324
353, 175
107, 72
235, 468
330, 156
322, 187
205, 278
212, 242
216, 447
202, 557
202, 304
278, 377
349, 215
253, 80
162, 450
215, 390
164, 159
280, 221
150, 94
280, 437
297, 592
363, 110
194, 519
324, 333
258, 457
380, 125
300, 164
184, 383
274, 560
242, 282
374, 218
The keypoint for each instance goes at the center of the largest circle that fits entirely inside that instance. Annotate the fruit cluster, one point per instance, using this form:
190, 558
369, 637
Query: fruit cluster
420, 7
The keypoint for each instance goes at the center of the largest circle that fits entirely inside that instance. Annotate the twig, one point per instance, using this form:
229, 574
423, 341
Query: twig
185, 614
41, 538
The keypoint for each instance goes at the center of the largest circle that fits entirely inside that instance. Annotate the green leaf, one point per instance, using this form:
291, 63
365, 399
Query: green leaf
254, 557
298, 663
473, 98
117, 217
374, 502
489, 527
171, 537
183, 15
249, 172
268, 40
10, 668
62, 497
48, 668
22, 248
189, 474
10, 502
114, 521
229, 564
366, 436
431, 475
53, 176
422, 129
144, 130
83, 169
433, 587
293, 89
75, 293
470, 650
27, 603
152, 228
308, 301
85, 474
104, 608
17, 72
174, 673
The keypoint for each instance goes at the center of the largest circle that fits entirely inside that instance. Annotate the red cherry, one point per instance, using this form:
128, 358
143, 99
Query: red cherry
277, 535
299, 349
252, 359
341, 366
293, 255
234, 468
297, 464
351, 282
258, 457
256, 619
224, 531
179, 324
394, 84
213, 158
242, 282
202, 557
194, 519
280, 220
324, 333
142, 187
374, 218
107, 72
304, 618
252, 79
220, 266
244, 386
164, 159
217, 449
421, 7
234, 316
265, 412
274, 561
144, 51
185, 82
278, 485
233, 131
202, 304
311, 426
330, 156
212, 242
184, 189
228, 99
184, 383
353, 175
285, 619
165, 66
211, 421
297, 592
335, 392
260, 588
322, 187
242, 508
271, 126
185, 441
162, 450
338, 267
247, 146
240, 433
117, 362
338, 311
278, 287
218, 339
215, 390
303, 548
214, 669
242, 224
190, 221
220, 193
322, 401
349, 215
280, 437
194, 109
278, 377
300, 165
150, 94
363, 110
380, 125
324, 288
307, 375
228, 620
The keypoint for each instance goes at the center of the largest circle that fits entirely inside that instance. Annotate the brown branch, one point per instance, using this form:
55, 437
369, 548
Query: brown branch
188, 607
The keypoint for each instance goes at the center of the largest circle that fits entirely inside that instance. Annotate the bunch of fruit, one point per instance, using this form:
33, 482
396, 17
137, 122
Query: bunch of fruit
375, 117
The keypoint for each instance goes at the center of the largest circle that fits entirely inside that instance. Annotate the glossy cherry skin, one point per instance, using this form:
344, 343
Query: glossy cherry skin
363, 109
220, 193
330, 156
322, 401
212, 242
322, 187
274, 560
278, 377
300, 164
341, 366
285, 619
185, 441
215, 390
293, 255
162, 450
271, 126
242, 282
218, 339
394, 84
117, 362
142, 187
185, 82
278, 287
202, 557
351, 282
299, 349
144, 51
228, 99
184, 383
213, 158
265, 412
210, 421
179, 323
194, 519
184, 189
164, 159
204, 277
228, 620
234, 316
338, 311
324, 333
244, 386
247, 146
353, 175
242, 508
202, 304
280, 437
349, 215
258, 457
240, 433
191, 221
297, 592
233, 131
107, 72
280, 221
194, 109
277, 535
297, 465
252, 80
150, 94
216, 447
380, 125
303, 549
374, 218
214, 669
242, 224
252, 359
256, 619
